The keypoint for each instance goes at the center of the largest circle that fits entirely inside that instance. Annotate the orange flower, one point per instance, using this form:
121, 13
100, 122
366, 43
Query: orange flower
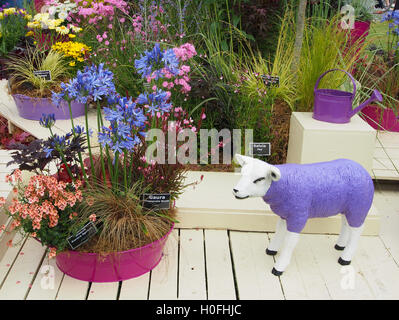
52, 253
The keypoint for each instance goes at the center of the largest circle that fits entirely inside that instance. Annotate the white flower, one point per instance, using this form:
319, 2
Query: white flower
63, 14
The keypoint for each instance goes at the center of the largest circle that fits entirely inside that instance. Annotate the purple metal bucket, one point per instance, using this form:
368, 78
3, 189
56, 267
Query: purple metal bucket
33, 108
335, 106
114, 267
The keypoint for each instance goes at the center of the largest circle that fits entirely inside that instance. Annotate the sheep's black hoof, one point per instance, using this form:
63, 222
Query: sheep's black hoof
339, 248
271, 252
277, 273
343, 262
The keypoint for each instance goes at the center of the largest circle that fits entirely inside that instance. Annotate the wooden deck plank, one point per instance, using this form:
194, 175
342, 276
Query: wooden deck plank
136, 288
388, 139
303, 279
253, 267
11, 254
20, 277
386, 198
163, 284
103, 291
72, 289
336, 276
219, 271
192, 282
378, 268
47, 281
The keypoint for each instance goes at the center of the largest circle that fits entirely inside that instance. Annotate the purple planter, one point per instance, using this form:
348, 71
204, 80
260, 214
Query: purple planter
33, 108
114, 267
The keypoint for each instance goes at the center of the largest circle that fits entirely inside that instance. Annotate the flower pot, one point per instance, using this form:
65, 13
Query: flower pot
113, 267
358, 35
34, 108
381, 119
360, 30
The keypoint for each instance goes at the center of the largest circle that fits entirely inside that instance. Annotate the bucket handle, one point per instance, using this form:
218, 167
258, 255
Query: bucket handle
348, 74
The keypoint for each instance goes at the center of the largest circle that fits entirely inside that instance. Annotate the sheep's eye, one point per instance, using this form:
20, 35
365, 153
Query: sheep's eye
259, 179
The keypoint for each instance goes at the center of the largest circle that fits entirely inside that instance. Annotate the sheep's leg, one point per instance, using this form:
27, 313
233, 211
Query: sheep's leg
278, 238
354, 235
344, 234
290, 241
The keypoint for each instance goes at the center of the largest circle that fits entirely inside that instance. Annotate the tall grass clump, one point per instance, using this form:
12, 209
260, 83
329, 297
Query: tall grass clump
325, 47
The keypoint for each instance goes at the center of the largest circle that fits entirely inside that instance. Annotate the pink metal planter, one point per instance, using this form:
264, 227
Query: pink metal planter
114, 267
335, 106
381, 119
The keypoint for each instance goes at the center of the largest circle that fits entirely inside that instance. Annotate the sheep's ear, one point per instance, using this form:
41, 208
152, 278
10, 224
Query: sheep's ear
241, 160
274, 173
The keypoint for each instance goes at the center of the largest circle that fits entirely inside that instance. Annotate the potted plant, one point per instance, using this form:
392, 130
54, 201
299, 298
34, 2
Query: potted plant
33, 78
52, 25
383, 73
121, 183
12, 31
363, 16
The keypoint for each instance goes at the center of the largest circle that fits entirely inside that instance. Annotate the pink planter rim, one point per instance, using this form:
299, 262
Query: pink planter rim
115, 266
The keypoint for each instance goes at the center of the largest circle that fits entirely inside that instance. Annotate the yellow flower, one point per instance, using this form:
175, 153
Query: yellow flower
29, 34
72, 64
9, 11
1, 15
76, 29
28, 17
71, 36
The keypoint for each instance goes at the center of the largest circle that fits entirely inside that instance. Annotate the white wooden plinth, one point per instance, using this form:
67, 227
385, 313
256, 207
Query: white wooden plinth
312, 141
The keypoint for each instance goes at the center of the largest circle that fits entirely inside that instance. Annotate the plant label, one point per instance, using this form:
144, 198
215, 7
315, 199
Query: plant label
156, 201
270, 81
83, 235
259, 148
45, 74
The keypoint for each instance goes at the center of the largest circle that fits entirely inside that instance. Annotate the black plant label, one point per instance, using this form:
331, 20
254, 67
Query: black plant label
83, 235
45, 74
260, 149
270, 81
159, 201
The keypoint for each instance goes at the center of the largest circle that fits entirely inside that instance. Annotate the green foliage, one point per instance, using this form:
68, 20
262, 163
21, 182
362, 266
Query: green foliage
363, 9
325, 47
12, 30
34, 60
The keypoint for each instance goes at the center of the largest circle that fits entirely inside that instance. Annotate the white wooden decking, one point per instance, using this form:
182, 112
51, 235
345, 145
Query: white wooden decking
216, 264
386, 156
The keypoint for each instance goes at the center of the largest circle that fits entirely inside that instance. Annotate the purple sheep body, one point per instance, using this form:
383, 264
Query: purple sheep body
320, 190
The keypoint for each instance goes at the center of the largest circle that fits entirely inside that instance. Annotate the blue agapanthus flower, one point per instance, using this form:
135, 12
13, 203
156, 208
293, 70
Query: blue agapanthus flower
155, 102
154, 61
127, 122
94, 83
47, 120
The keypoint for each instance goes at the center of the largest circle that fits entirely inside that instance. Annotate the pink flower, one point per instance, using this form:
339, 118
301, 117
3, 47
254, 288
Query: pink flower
106, 43
2, 201
93, 217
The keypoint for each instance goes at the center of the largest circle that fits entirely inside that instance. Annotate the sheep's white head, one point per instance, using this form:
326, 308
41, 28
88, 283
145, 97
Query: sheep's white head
256, 177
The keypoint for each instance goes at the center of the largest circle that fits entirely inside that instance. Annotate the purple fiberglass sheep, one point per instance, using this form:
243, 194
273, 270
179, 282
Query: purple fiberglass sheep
298, 192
